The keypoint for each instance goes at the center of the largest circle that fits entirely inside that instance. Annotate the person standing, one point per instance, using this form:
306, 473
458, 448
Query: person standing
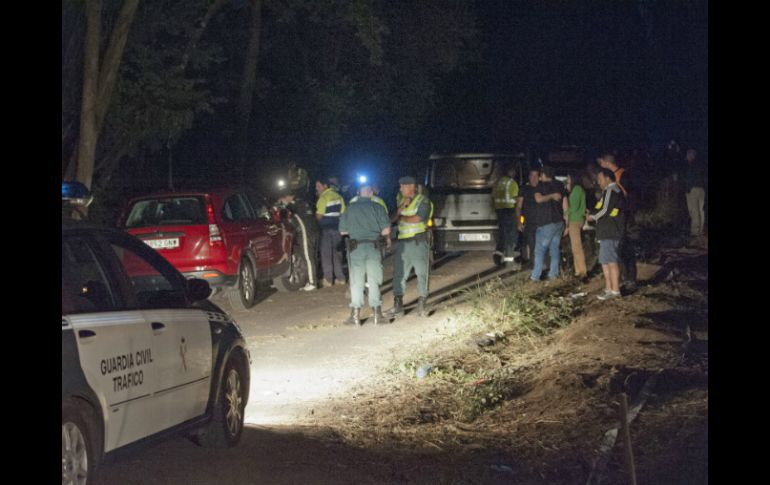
625, 182
525, 216
329, 208
575, 218
504, 196
374, 198
550, 224
610, 226
307, 227
412, 248
365, 223
695, 192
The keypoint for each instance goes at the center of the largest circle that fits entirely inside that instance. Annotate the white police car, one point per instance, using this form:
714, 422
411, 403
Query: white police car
144, 354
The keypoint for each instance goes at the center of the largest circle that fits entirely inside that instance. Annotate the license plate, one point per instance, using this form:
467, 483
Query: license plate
485, 236
163, 243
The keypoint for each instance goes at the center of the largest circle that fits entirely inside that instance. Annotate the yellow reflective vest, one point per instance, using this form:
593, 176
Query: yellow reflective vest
408, 230
505, 192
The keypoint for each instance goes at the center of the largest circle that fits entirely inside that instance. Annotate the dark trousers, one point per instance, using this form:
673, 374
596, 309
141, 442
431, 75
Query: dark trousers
331, 254
627, 256
506, 236
528, 244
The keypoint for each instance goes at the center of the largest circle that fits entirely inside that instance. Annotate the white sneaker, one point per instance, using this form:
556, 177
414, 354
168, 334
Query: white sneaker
606, 295
308, 287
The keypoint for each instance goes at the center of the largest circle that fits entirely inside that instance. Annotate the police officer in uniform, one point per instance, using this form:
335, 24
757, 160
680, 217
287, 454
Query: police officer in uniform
504, 194
412, 248
367, 226
329, 208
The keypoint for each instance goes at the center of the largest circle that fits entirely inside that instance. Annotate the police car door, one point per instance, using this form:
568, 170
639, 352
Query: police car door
181, 344
111, 339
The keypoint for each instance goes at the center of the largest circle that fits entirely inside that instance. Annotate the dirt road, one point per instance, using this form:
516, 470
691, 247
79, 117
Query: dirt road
332, 404
302, 359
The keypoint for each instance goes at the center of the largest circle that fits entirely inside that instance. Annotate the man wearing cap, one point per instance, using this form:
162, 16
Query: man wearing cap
412, 248
329, 207
365, 223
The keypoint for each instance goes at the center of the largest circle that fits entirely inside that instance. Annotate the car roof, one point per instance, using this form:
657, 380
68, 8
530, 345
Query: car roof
217, 191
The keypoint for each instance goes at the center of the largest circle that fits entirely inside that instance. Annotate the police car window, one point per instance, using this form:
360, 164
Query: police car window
153, 286
85, 286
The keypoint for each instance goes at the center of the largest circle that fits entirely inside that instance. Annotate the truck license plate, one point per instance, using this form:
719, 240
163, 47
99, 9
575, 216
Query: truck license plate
475, 237
163, 243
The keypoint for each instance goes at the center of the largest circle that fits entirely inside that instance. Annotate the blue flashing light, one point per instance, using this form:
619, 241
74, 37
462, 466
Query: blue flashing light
362, 179
75, 193
74, 190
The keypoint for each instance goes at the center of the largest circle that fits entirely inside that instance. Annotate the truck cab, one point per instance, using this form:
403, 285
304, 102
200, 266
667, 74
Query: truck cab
460, 187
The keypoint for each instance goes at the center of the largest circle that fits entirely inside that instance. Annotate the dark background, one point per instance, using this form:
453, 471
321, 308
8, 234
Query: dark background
527, 75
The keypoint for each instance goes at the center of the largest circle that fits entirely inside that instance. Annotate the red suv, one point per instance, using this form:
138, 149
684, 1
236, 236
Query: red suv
229, 237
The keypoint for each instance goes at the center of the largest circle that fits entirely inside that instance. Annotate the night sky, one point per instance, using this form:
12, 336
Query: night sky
582, 72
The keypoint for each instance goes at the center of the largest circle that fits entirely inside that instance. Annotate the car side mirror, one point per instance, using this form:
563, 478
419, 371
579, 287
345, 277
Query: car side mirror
198, 289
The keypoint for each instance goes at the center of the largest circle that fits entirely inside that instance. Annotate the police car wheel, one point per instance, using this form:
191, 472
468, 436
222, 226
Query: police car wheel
243, 295
80, 445
226, 424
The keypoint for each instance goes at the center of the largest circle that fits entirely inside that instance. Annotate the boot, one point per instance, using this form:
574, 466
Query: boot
379, 318
421, 310
398, 307
354, 318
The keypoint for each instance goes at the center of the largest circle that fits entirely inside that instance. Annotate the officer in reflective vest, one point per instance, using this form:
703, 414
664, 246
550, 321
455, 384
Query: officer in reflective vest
367, 226
329, 207
504, 198
412, 248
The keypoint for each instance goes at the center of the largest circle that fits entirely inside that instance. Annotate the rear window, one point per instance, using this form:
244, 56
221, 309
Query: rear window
462, 172
468, 172
183, 210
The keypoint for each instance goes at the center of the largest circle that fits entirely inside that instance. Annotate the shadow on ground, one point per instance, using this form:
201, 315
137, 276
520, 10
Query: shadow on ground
293, 455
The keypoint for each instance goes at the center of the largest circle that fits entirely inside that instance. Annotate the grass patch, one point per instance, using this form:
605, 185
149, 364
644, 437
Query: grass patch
469, 380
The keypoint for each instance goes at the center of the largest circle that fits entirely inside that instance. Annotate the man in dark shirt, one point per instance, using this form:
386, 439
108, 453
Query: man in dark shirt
550, 224
625, 181
610, 227
525, 216
304, 221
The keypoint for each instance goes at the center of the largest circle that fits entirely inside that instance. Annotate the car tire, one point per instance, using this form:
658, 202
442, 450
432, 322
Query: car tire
226, 425
244, 294
81, 445
297, 275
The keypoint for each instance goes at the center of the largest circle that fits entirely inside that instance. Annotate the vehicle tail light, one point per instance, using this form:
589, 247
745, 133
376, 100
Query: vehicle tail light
215, 236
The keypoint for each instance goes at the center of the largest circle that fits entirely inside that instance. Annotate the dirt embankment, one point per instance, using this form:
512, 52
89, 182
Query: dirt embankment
535, 410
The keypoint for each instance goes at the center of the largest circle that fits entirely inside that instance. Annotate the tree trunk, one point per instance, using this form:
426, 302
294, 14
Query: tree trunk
108, 74
247, 84
196, 37
88, 134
